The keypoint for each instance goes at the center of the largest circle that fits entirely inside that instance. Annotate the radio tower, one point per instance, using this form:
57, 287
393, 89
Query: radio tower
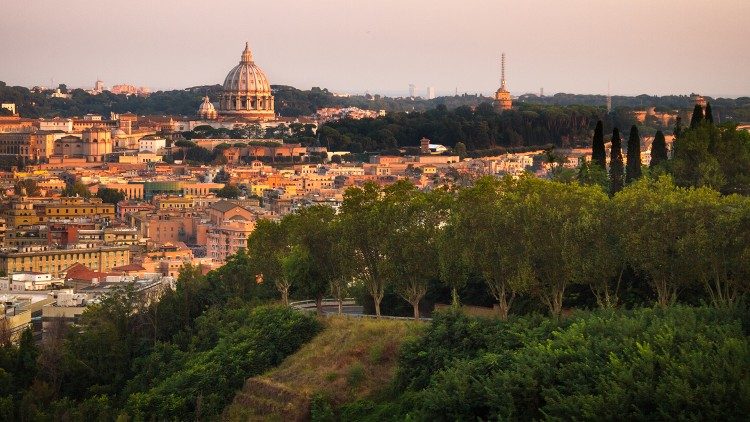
502, 71
503, 99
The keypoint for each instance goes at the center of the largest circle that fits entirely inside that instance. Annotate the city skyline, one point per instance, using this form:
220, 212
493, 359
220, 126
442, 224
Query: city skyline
638, 47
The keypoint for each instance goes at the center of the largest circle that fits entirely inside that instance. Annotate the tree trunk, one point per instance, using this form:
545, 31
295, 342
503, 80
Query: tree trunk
319, 304
455, 302
664, 295
341, 305
285, 296
416, 310
377, 306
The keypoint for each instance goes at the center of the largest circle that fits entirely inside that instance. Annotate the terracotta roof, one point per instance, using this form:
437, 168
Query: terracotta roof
223, 205
81, 272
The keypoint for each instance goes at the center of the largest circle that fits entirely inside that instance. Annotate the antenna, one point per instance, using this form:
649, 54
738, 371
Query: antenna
502, 70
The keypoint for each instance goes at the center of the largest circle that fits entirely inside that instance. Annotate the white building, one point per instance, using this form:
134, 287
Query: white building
56, 124
10, 107
151, 143
28, 282
430, 92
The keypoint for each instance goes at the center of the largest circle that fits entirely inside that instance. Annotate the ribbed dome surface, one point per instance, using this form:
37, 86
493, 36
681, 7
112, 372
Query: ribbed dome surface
246, 92
206, 109
246, 77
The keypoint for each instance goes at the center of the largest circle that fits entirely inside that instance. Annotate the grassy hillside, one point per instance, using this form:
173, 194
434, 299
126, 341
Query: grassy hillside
350, 360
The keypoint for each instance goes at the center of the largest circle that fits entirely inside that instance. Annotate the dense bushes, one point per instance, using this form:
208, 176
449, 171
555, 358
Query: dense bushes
199, 382
478, 128
180, 358
678, 363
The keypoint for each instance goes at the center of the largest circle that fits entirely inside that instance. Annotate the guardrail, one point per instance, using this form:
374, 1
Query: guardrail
311, 306
307, 304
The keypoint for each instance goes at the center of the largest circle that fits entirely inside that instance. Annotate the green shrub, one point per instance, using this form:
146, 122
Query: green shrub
320, 409
376, 352
678, 363
250, 340
355, 375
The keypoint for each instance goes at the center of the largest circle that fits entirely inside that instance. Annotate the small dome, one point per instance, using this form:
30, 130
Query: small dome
207, 109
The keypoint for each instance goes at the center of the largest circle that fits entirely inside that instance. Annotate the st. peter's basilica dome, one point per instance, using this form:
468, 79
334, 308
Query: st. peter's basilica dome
246, 91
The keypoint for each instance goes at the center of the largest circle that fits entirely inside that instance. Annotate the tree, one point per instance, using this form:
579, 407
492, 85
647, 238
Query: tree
719, 245
460, 150
365, 232
484, 227
184, 143
221, 176
26, 360
77, 189
709, 116
454, 271
268, 246
615, 163
314, 261
633, 170
229, 191
694, 160
552, 215
598, 152
658, 150
677, 127
110, 196
697, 118
343, 271
27, 187
592, 174
595, 255
653, 217
414, 220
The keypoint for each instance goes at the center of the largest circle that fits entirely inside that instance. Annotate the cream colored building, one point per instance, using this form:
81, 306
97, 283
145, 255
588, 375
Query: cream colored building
93, 145
57, 261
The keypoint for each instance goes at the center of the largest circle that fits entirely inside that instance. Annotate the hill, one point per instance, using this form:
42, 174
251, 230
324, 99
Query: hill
350, 360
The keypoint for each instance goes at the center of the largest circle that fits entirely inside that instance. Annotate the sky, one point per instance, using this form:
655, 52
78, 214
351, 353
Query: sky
352, 46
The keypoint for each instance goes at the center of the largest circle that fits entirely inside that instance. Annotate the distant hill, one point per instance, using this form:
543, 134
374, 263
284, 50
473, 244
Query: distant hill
292, 102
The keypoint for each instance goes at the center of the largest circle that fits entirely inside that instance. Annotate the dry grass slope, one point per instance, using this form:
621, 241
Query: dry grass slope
349, 360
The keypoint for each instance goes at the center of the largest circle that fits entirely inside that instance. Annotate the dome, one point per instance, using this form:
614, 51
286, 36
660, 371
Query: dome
206, 109
246, 76
246, 91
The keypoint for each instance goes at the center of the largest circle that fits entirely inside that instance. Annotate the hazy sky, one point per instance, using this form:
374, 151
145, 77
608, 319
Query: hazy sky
652, 47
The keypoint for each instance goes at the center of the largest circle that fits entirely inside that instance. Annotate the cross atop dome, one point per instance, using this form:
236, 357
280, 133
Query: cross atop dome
247, 55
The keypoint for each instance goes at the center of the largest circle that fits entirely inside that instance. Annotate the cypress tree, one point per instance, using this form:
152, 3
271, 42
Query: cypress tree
633, 170
697, 118
615, 163
658, 150
678, 127
26, 366
598, 153
709, 115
